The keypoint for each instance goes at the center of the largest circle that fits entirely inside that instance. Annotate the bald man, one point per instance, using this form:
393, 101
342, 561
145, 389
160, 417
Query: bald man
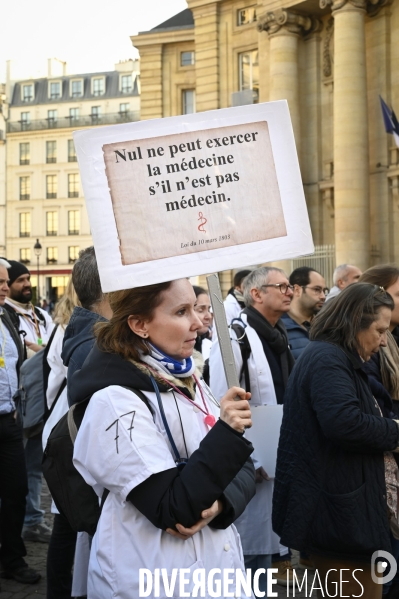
344, 275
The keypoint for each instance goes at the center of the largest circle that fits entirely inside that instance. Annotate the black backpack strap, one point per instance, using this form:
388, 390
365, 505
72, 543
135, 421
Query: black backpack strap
40, 316
141, 395
103, 498
245, 349
46, 366
14, 316
48, 411
46, 374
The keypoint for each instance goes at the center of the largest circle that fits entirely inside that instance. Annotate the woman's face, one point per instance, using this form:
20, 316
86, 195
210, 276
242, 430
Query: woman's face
175, 324
393, 290
370, 340
203, 310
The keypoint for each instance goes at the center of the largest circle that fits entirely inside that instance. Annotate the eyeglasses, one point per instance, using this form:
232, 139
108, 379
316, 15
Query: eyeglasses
282, 286
317, 290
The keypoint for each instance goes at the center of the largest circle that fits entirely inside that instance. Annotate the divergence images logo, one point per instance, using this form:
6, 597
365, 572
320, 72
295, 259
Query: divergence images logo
381, 567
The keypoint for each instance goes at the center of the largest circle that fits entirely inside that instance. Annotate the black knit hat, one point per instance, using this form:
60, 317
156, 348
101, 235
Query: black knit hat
17, 269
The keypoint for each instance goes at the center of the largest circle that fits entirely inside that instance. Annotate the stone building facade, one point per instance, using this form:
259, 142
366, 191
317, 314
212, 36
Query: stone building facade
44, 196
331, 59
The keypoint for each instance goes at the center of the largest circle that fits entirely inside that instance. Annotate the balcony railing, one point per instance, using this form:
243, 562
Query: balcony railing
73, 122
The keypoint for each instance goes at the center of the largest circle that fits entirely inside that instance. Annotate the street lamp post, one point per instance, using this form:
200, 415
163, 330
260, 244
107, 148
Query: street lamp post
38, 250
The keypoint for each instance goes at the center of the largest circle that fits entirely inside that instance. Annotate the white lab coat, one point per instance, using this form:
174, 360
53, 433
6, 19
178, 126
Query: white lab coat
119, 445
255, 524
232, 309
57, 374
28, 325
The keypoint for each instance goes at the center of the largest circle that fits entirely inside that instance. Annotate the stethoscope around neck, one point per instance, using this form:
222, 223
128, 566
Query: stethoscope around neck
179, 461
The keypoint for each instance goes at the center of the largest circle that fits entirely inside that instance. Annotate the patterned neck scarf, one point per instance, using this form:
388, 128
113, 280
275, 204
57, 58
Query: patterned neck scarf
178, 368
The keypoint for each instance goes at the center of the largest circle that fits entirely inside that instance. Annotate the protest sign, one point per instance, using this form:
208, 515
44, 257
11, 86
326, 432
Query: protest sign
193, 194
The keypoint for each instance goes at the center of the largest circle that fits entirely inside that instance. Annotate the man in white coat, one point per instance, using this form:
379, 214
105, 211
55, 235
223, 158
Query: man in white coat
267, 294
234, 302
36, 327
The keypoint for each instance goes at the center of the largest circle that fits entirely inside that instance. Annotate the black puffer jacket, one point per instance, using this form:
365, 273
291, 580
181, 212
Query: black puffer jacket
221, 467
329, 495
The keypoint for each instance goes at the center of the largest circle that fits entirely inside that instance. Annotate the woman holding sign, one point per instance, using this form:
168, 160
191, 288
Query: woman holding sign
175, 463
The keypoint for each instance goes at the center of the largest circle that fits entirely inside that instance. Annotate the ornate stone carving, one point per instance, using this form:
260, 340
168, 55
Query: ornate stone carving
338, 4
327, 52
272, 22
374, 6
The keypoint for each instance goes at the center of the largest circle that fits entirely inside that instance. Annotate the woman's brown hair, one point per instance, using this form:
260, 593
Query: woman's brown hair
115, 336
352, 311
383, 275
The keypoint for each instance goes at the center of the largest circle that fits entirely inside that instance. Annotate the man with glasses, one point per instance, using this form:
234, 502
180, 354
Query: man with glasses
310, 293
264, 369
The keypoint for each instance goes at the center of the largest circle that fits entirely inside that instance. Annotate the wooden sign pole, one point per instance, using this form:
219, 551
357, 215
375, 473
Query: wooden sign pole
219, 315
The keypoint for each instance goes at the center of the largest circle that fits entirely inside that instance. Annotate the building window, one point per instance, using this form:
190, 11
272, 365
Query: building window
246, 15
124, 111
55, 90
74, 114
71, 151
51, 152
95, 114
126, 84
58, 286
24, 153
188, 101
24, 255
52, 116
52, 223
27, 93
24, 188
77, 89
187, 58
73, 185
98, 86
24, 224
25, 120
73, 253
51, 187
73, 222
249, 72
52, 255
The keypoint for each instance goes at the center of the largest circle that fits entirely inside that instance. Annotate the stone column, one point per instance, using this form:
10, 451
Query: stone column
351, 172
311, 164
206, 17
284, 28
151, 82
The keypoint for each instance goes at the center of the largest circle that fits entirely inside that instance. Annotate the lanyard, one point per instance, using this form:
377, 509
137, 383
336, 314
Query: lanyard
3, 345
209, 419
33, 320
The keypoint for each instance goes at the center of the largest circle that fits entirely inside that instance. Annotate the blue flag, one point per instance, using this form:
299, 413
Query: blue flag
390, 121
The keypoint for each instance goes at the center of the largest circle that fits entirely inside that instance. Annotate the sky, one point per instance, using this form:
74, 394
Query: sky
90, 35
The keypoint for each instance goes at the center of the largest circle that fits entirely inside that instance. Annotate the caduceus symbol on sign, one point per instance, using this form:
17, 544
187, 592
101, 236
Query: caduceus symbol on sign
203, 220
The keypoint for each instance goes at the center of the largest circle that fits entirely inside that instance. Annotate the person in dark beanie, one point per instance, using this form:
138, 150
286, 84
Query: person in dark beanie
36, 327
13, 480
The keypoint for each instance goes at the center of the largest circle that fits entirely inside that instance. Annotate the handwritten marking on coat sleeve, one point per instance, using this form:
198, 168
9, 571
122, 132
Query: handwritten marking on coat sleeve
116, 423
131, 427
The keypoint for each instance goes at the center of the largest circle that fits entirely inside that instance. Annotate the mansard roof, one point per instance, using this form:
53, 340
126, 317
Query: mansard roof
183, 19
41, 89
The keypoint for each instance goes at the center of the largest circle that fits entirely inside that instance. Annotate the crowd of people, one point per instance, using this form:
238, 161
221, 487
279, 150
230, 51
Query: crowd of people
162, 441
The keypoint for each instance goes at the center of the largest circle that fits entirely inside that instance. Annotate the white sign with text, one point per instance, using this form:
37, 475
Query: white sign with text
193, 194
